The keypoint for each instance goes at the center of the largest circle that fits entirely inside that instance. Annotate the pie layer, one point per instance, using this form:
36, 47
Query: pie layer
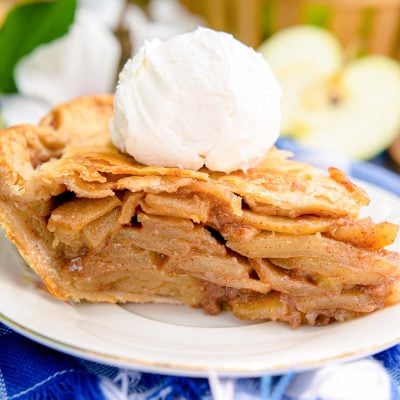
282, 241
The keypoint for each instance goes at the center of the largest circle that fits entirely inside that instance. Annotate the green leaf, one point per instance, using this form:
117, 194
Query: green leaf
28, 26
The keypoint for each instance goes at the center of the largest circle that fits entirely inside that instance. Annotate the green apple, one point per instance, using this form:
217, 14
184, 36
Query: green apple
348, 107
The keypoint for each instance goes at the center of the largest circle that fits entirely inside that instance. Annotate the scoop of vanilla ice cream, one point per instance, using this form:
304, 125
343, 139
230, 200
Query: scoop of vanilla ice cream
200, 98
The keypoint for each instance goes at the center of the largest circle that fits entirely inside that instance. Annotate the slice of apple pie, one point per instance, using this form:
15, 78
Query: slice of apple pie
281, 242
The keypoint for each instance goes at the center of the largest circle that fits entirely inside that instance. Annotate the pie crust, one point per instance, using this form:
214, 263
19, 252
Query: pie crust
282, 241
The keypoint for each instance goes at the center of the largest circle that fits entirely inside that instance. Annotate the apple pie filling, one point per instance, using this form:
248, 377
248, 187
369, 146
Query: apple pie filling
187, 248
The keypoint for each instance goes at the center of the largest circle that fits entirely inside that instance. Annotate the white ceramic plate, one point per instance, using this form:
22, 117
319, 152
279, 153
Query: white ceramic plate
183, 341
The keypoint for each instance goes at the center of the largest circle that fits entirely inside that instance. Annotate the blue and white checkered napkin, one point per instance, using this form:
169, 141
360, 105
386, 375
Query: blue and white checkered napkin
32, 371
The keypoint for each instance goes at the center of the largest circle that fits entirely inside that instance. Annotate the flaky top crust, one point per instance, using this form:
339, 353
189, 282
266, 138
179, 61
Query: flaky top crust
71, 148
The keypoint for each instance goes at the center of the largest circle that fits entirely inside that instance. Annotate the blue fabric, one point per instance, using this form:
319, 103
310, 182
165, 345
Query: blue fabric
30, 371
391, 361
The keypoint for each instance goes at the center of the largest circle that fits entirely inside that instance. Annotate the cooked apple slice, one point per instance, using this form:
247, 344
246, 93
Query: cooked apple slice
350, 108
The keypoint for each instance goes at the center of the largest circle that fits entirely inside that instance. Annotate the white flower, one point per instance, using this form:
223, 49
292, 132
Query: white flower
109, 12
167, 19
84, 61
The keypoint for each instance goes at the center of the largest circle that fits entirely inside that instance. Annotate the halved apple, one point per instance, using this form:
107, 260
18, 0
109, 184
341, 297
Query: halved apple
352, 107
